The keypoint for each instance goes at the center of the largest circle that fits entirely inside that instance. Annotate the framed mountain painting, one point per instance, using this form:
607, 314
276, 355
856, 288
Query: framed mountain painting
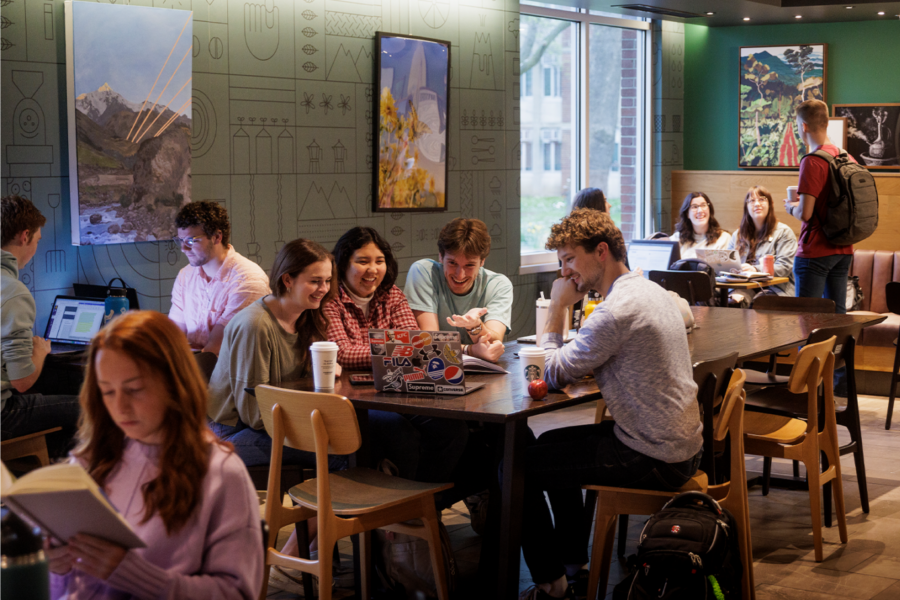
129, 120
774, 80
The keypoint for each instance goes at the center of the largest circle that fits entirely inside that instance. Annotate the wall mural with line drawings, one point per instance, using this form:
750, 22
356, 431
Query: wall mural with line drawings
281, 133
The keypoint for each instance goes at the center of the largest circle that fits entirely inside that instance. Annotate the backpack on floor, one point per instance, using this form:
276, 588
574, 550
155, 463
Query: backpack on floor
853, 206
688, 551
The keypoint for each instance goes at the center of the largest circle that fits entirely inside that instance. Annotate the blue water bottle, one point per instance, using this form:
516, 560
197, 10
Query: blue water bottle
116, 304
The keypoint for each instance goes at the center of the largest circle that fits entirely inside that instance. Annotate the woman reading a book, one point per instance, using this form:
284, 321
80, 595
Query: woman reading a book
422, 448
143, 438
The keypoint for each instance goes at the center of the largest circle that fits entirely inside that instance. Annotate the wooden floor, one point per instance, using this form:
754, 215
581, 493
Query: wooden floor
868, 567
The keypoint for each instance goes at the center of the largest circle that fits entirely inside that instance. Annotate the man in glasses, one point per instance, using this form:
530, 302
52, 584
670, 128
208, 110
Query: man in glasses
217, 283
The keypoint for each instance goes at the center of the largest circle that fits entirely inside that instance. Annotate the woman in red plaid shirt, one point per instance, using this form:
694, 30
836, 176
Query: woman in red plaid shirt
423, 448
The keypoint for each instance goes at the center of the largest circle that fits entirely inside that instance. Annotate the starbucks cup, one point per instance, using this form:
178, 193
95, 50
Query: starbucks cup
533, 359
768, 264
792, 193
324, 359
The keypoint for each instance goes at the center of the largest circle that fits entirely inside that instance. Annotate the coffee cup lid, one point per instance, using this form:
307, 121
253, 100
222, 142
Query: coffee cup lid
323, 346
532, 351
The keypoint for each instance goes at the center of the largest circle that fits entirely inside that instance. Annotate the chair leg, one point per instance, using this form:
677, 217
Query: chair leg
860, 462
767, 474
815, 505
264, 591
623, 534
796, 469
365, 563
326, 576
430, 521
604, 531
833, 455
894, 381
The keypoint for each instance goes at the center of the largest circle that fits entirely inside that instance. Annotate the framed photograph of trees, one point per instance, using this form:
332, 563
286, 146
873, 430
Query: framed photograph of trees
873, 133
774, 80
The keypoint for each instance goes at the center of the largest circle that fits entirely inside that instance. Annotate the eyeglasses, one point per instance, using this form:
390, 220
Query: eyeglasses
189, 242
699, 206
756, 201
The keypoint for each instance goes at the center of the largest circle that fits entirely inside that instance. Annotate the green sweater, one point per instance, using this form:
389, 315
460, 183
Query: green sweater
255, 350
17, 314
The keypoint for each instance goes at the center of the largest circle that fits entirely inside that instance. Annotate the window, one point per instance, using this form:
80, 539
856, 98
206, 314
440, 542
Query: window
586, 119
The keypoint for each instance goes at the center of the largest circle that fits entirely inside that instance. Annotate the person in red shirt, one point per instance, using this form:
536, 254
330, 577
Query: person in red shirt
820, 267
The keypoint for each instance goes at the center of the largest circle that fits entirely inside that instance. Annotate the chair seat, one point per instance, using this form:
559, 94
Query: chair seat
777, 401
773, 428
699, 482
357, 491
760, 378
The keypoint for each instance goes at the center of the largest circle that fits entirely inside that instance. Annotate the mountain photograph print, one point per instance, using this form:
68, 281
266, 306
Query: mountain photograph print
411, 129
774, 80
129, 105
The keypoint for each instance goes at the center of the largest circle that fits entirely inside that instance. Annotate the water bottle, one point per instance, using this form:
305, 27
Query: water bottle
116, 304
25, 572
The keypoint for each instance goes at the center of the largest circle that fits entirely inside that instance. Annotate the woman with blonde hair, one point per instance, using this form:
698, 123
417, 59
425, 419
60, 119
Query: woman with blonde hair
143, 438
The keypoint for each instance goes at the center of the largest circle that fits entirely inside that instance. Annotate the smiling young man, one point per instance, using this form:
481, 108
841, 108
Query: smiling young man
636, 347
23, 353
458, 293
217, 283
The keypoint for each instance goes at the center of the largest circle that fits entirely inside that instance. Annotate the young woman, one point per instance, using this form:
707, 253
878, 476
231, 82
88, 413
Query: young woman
761, 233
697, 226
269, 342
143, 438
422, 448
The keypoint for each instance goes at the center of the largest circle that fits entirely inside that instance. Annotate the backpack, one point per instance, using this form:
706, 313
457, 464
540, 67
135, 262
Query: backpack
853, 207
695, 264
688, 551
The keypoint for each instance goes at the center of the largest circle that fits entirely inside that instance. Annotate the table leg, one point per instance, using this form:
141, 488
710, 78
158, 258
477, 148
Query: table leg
512, 490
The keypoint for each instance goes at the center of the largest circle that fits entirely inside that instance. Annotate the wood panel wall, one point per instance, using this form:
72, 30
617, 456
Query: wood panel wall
727, 189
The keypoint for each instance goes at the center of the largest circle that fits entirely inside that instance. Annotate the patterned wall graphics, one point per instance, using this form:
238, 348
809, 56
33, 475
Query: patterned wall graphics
282, 121
668, 111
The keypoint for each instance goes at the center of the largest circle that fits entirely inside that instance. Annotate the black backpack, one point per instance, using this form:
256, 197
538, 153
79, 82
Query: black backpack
688, 551
695, 264
853, 209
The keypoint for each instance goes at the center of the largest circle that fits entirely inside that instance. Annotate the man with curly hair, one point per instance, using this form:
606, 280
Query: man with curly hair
22, 354
218, 282
635, 345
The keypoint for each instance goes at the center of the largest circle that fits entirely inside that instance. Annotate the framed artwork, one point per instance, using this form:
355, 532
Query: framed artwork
128, 72
413, 78
774, 80
873, 133
837, 131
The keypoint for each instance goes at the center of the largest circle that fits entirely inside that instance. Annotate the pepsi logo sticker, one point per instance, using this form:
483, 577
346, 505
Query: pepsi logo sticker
436, 368
453, 374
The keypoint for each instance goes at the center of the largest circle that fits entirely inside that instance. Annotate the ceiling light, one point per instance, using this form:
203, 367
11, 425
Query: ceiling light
848, 7
881, 13
709, 14
798, 17
746, 18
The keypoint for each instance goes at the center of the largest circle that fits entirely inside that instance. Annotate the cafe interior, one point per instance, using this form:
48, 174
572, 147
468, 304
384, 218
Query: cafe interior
649, 102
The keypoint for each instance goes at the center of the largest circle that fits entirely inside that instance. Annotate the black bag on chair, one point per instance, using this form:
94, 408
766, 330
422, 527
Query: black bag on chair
688, 551
695, 264
88, 290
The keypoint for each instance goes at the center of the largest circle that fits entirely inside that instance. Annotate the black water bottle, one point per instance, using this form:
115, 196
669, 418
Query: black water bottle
24, 571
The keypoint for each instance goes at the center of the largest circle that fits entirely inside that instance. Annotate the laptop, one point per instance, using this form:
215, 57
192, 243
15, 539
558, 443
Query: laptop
653, 255
73, 323
419, 362
722, 261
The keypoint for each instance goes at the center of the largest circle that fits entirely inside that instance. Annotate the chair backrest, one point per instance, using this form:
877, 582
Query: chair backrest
731, 415
719, 369
693, 286
807, 360
844, 342
297, 407
792, 304
892, 296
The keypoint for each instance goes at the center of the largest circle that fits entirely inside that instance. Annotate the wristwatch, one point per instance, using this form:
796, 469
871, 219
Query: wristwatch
476, 330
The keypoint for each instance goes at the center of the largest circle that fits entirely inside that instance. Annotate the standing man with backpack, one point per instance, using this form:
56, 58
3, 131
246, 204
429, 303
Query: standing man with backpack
825, 246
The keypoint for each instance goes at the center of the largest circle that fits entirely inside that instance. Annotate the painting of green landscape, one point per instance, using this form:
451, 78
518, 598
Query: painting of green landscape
774, 80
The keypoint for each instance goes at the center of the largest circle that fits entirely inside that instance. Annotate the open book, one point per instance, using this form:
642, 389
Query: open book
64, 500
473, 364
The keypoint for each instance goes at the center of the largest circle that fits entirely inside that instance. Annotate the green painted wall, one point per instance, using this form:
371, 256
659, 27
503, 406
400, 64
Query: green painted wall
863, 66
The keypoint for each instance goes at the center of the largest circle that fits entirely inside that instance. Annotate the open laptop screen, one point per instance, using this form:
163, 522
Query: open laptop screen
652, 255
74, 320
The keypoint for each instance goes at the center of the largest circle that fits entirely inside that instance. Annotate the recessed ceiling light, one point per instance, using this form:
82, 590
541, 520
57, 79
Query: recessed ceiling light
746, 18
709, 14
881, 13
798, 17
848, 7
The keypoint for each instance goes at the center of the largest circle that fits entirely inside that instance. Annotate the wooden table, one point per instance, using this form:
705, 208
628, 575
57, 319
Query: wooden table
503, 401
723, 288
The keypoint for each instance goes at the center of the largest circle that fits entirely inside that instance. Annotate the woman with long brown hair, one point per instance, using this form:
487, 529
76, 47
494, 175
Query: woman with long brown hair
143, 438
697, 226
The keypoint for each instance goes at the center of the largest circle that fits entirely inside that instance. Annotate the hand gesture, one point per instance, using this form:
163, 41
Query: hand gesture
565, 292
489, 351
469, 320
60, 558
98, 558
41, 346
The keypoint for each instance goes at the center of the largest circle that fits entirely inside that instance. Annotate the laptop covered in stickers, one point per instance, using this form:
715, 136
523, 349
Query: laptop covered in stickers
418, 362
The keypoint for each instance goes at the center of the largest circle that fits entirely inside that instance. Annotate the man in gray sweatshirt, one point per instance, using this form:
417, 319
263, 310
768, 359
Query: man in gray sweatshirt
635, 345
22, 353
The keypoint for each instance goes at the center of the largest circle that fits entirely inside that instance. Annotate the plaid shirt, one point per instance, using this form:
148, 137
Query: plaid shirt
348, 326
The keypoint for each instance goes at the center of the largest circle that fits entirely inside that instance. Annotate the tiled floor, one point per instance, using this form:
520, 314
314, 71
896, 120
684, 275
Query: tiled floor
867, 567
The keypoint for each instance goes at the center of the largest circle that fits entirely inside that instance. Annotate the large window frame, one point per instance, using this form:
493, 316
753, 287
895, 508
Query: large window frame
546, 261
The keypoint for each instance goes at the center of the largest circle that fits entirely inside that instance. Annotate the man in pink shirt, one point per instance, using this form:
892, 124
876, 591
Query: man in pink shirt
218, 283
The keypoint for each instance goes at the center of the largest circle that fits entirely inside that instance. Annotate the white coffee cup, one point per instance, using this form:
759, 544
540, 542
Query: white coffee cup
324, 359
541, 312
533, 362
792, 193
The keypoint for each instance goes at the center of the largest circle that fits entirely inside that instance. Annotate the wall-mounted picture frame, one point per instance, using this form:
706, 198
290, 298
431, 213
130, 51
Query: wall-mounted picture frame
873, 133
410, 131
128, 75
837, 131
774, 80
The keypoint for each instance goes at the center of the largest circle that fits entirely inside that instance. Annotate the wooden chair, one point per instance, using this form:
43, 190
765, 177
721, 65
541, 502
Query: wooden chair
779, 436
693, 286
344, 503
612, 501
892, 296
33, 444
783, 304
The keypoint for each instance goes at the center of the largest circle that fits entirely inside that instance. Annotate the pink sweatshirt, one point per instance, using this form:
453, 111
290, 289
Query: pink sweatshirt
217, 554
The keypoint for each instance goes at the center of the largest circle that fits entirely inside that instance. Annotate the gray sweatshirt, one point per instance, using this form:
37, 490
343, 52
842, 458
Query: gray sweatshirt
782, 244
636, 346
17, 315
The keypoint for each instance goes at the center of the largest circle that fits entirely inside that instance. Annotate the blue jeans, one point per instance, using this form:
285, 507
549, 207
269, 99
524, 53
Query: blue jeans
254, 446
28, 413
560, 462
825, 275
423, 448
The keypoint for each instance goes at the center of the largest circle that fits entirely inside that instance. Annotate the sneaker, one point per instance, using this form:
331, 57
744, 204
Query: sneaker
477, 504
578, 583
533, 593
